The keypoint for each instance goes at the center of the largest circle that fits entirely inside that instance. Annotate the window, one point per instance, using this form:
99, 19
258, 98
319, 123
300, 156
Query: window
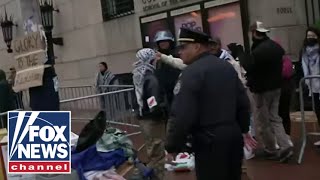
116, 8
225, 22
190, 20
150, 30
218, 18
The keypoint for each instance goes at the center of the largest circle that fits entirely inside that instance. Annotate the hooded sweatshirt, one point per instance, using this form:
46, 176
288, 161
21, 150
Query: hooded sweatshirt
6, 94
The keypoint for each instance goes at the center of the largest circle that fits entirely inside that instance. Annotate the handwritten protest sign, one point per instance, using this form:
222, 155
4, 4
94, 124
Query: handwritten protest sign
28, 43
30, 60
29, 53
31, 77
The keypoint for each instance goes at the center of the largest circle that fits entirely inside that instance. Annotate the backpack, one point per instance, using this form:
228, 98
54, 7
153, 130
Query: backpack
287, 67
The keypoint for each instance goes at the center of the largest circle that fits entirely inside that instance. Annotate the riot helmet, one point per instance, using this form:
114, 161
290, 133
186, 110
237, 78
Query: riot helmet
163, 36
165, 42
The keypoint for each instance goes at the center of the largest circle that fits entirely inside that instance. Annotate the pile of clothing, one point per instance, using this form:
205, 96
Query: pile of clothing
98, 161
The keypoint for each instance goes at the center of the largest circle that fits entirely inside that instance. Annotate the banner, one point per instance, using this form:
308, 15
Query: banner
30, 54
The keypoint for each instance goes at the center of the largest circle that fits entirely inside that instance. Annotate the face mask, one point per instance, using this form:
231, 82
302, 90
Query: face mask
312, 41
254, 39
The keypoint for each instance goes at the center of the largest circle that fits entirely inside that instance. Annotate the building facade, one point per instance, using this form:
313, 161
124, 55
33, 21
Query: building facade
113, 30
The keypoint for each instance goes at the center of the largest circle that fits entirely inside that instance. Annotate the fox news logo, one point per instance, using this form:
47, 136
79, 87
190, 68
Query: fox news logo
39, 142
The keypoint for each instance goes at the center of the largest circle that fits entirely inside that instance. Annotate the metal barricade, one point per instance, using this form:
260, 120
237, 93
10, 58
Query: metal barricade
19, 100
90, 104
3, 118
65, 92
303, 121
70, 92
119, 106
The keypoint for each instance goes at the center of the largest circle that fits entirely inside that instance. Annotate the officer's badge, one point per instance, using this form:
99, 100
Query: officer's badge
176, 89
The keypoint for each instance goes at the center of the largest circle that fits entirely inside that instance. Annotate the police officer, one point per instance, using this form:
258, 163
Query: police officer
212, 105
166, 74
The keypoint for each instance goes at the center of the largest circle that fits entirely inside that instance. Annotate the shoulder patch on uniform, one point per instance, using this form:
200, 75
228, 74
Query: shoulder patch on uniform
152, 102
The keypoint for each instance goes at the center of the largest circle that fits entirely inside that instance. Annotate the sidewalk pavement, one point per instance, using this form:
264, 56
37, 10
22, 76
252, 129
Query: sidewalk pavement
258, 169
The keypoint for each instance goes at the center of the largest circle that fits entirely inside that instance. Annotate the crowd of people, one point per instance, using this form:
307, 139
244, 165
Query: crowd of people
217, 97
219, 101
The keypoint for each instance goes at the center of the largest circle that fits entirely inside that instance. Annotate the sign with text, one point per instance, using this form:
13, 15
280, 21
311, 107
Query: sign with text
30, 54
30, 60
29, 43
275, 13
31, 77
190, 20
156, 4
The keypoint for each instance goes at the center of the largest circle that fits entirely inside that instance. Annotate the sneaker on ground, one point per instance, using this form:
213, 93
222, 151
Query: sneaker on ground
262, 153
286, 155
290, 143
317, 143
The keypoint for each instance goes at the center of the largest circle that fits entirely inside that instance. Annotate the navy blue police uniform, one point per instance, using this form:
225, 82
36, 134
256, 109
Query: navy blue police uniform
211, 104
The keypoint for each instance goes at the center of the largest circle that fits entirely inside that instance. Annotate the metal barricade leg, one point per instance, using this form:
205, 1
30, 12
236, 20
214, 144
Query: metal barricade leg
303, 125
303, 122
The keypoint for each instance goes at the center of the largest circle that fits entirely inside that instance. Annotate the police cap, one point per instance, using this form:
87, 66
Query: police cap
189, 35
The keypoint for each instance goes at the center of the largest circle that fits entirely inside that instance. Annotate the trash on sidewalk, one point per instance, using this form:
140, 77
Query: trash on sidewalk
104, 149
103, 175
74, 139
248, 153
184, 162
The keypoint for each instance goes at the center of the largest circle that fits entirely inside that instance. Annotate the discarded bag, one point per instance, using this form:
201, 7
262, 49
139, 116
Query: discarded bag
92, 132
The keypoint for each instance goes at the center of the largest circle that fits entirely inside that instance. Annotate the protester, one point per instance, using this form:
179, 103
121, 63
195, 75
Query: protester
12, 76
217, 50
18, 95
310, 60
264, 78
234, 49
215, 121
225, 55
104, 78
286, 94
215, 44
152, 110
6, 98
166, 74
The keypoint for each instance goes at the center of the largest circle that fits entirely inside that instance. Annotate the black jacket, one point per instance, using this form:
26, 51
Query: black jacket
264, 66
154, 106
7, 101
167, 77
210, 96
